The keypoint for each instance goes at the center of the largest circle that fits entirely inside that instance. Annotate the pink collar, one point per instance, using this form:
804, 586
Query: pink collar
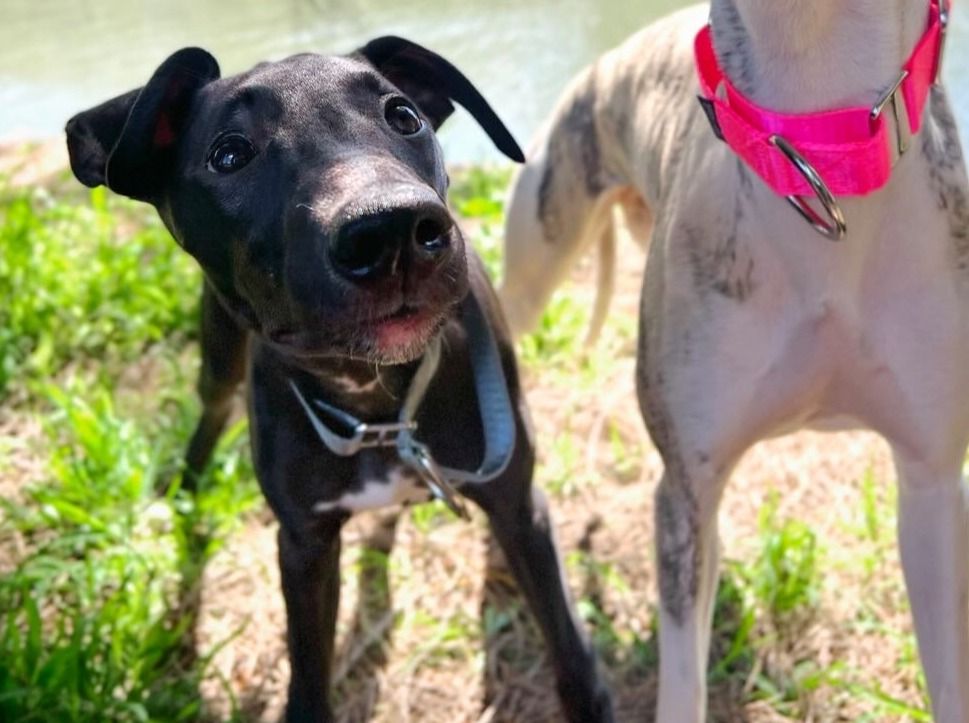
847, 151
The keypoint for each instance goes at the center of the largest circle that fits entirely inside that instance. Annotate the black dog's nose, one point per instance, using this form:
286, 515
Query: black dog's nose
372, 245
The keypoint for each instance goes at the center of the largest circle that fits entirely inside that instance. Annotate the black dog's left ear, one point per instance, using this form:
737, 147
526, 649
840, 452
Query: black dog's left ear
432, 82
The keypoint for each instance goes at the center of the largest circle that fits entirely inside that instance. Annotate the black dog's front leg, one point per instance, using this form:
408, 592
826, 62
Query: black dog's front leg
223, 348
311, 586
520, 522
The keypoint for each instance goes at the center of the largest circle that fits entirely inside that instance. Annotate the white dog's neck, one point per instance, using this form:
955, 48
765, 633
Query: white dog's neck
809, 55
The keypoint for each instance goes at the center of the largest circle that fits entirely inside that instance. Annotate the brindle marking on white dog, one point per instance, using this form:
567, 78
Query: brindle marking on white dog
944, 153
574, 141
731, 39
678, 546
718, 261
721, 264
676, 534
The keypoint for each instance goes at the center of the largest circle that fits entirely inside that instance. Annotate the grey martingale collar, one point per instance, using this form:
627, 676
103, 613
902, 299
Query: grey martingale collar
494, 406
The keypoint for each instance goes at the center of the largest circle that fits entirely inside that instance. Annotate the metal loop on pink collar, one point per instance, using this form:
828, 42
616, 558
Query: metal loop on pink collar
835, 227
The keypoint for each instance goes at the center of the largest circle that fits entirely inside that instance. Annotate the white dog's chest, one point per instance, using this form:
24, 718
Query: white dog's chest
850, 363
888, 350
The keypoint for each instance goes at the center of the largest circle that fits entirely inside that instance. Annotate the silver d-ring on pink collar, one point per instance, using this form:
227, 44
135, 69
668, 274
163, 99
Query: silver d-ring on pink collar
834, 227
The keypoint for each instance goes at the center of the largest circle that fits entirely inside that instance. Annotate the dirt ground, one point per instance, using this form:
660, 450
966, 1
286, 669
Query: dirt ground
448, 642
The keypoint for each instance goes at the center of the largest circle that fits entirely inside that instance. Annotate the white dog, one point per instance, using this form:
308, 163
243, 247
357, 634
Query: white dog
753, 323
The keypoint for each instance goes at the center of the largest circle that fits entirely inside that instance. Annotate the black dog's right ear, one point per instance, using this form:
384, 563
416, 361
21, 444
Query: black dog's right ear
128, 142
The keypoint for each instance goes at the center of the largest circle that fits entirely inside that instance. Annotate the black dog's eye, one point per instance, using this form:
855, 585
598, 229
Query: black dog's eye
402, 117
230, 153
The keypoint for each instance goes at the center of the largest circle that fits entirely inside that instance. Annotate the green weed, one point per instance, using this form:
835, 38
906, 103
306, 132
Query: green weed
558, 337
883, 705
456, 637
759, 604
429, 516
734, 617
94, 279
626, 455
479, 193
559, 470
96, 619
784, 579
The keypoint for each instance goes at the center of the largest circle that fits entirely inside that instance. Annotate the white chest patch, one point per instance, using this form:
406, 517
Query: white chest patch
400, 486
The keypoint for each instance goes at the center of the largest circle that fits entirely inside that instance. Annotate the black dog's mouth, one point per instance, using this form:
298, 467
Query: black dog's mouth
405, 311
394, 337
404, 334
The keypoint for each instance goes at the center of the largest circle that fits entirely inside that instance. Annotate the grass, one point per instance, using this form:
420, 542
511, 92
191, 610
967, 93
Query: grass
765, 603
94, 280
105, 563
96, 611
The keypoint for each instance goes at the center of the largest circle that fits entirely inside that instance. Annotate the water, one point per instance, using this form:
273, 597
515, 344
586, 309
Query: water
60, 56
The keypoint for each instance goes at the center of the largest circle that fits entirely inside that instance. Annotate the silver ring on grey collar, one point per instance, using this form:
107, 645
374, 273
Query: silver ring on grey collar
494, 407
364, 435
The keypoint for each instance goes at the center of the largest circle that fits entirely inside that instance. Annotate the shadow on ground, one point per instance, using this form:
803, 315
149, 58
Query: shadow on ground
518, 683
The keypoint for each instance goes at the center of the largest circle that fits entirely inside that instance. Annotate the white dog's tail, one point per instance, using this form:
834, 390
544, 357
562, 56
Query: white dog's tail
560, 204
605, 281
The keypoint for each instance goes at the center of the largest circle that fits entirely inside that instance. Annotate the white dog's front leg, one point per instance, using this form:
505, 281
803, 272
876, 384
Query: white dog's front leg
688, 552
933, 533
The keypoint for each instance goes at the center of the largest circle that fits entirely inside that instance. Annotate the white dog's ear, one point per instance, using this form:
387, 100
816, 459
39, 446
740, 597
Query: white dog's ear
126, 143
432, 83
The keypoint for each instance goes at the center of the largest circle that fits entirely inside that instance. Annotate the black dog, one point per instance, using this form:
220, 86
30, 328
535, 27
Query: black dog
311, 193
